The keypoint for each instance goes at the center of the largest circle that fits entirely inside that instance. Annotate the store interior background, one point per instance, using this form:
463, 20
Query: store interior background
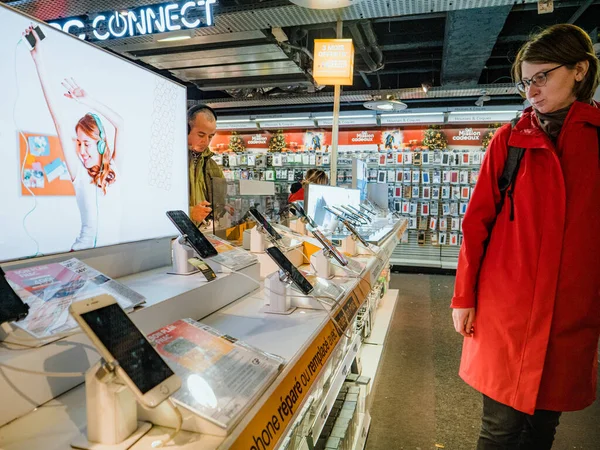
435, 54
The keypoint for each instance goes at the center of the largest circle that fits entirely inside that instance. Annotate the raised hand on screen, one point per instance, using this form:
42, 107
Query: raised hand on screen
73, 90
31, 31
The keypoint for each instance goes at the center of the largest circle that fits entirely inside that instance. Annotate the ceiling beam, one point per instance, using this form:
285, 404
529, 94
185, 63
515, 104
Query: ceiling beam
412, 46
469, 40
580, 11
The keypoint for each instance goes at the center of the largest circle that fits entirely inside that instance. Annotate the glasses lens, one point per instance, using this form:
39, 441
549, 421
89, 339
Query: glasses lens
539, 79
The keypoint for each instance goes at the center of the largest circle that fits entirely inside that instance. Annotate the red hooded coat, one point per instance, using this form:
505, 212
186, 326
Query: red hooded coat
537, 289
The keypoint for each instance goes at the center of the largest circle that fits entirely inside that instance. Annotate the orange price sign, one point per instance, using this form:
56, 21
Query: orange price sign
334, 62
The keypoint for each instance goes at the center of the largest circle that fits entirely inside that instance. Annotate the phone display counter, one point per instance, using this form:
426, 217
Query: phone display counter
315, 393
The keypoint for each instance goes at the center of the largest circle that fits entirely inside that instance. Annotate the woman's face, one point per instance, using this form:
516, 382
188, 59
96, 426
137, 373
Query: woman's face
557, 93
87, 150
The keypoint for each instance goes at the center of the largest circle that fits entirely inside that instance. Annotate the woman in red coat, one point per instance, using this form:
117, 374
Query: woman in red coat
313, 176
527, 293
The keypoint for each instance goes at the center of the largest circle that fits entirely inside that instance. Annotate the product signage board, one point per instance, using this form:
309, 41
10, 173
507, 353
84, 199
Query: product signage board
348, 121
396, 119
142, 21
237, 126
334, 62
481, 117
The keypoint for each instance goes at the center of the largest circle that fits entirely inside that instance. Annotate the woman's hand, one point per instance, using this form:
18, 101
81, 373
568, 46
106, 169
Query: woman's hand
73, 90
38, 43
463, 321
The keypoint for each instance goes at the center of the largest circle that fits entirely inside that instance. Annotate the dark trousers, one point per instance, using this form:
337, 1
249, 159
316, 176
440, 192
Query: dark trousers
505, 428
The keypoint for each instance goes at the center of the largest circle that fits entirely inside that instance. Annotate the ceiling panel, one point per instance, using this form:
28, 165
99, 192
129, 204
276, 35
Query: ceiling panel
232, 55
238, 70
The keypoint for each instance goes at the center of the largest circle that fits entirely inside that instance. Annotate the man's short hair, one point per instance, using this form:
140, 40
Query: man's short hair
193, 112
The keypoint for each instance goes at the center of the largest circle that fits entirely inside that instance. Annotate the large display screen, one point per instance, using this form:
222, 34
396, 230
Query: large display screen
93, 147
360, 177
320, 196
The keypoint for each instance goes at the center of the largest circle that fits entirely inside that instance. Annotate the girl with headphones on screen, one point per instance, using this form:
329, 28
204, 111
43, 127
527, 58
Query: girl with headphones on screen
90, 158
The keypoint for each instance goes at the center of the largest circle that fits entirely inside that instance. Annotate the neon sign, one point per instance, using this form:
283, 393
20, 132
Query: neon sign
140, 21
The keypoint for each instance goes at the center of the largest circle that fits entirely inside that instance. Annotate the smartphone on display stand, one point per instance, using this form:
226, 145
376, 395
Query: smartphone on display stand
340, 215
193, 235
123, 346
356, 217
345, 215
30, 38
355, 233
330, 247
368, 210
299, 211
263, 222
12, 307
290, 270
359, 213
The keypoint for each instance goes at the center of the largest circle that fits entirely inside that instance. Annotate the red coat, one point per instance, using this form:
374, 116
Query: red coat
537, 290
296, 196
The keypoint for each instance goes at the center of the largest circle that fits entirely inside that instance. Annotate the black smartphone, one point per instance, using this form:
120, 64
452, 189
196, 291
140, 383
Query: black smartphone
286, 265
262, 220
329, 246
12, 307
194, 236
299, 211
30, 38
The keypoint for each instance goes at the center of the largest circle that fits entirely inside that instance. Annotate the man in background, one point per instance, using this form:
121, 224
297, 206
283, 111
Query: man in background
202, 126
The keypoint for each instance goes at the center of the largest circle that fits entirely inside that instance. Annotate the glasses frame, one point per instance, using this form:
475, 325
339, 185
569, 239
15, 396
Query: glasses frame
525, 84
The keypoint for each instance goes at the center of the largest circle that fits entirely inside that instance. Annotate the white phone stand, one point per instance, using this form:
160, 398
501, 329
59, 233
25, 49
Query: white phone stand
276, 299
181, 252
257, 240
349, 245
321, 261
111, 412
298, 226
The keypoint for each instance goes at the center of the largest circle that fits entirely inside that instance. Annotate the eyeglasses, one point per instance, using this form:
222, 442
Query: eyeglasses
539, 79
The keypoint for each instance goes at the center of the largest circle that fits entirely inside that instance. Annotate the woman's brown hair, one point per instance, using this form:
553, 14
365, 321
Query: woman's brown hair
562, 44
102, 175
315, 176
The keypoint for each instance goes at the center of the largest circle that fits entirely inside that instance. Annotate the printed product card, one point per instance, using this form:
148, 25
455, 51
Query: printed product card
221, 376
50, 289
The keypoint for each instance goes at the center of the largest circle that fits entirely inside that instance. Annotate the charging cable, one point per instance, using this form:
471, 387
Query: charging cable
24, 222
162, 442
45, 374
56, 336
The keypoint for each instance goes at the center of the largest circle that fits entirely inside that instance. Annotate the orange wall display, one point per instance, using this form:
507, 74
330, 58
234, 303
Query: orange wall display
388, 138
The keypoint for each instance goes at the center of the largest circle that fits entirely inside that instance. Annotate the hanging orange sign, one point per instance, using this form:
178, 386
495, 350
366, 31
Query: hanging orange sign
334, 62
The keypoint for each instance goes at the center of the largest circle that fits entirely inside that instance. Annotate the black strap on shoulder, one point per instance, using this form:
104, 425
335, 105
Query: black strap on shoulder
506, 182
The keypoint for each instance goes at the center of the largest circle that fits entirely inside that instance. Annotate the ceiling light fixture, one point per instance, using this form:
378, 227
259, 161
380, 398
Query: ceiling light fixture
325, 4
385, 105
174, 36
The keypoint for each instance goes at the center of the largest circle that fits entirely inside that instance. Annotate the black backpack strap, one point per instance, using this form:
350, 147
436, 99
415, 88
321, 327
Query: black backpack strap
506, 182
